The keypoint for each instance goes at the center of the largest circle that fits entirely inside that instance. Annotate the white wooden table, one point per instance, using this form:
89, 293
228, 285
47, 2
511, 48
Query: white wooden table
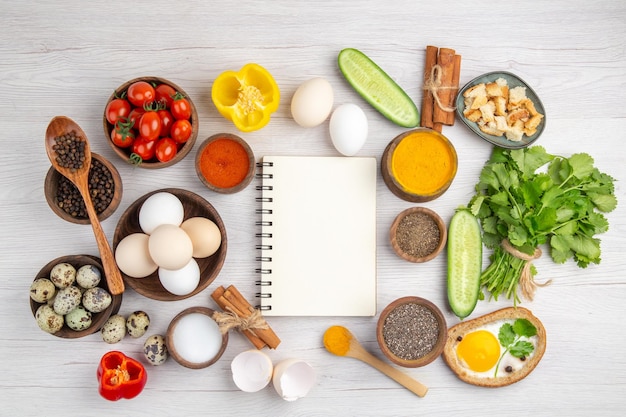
66, 57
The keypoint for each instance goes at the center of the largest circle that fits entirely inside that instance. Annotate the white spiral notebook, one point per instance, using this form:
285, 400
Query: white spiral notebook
317, 248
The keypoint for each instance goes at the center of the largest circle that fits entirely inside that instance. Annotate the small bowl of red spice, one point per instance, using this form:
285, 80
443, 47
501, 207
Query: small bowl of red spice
225, 163
418, 234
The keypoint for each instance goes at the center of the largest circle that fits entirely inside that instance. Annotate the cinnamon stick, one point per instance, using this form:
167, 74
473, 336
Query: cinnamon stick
427, 99
233, 295
456, 77
222, 302
445, 60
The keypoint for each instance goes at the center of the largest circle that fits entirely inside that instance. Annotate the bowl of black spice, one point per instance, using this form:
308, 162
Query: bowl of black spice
105, 187
411, 332
418, 234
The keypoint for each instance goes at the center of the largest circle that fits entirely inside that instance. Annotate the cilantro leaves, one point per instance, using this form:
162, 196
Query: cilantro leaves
529, 197
511, 338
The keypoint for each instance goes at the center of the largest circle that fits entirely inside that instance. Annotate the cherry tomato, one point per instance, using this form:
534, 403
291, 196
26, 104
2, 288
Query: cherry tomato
140, 93
149, 125
115, 109
135, 115
181, 109
166, 122
181, 131
165, 94
122, 136
144, 148
166, 149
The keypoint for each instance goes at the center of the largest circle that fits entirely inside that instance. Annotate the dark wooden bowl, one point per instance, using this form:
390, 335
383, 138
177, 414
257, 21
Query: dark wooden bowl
394, 185
171, 347
98, 319
124, 153
194, 206
51, 185
437, 349
251, 164
443, 234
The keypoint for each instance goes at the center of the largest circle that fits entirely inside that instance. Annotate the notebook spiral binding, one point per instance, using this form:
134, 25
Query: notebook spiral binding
265, 258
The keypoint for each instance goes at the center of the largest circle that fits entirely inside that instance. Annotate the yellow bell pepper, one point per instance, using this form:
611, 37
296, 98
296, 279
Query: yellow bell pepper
247, 97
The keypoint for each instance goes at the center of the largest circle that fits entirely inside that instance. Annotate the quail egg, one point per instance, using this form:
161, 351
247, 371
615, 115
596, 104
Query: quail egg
137, 324
155, 349
78, 319
114, 329
88, 276
97, 299
67, 299
63, 275
48, 320
42, 290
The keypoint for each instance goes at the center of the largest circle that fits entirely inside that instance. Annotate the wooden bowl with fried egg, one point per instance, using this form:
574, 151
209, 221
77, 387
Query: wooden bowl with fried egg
496, 349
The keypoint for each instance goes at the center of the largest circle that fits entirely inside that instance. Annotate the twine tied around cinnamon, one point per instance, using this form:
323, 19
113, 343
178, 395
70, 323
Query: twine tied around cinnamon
230, 320
433, 85
527, 283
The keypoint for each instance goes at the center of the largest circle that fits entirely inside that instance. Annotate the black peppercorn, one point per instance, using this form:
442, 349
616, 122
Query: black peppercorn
101, 190
509, 369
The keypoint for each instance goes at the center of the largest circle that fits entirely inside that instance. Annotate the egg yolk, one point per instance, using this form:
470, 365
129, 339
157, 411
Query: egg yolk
480, 350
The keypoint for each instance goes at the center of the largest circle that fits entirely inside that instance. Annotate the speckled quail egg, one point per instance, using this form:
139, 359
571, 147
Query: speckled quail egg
42, 290
78, 319
48, 320
88, 276
96, 299
155, 349
137, 324
114, 329
67, 299
63, 275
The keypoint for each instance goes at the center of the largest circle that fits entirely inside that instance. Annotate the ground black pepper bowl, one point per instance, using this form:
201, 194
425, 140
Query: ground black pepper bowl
411, 332
111, 195
418, 234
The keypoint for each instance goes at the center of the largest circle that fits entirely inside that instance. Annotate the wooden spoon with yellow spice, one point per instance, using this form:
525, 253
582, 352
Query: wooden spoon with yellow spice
339, 341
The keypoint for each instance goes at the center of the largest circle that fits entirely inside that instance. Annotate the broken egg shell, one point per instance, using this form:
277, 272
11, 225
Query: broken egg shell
252, 370
293, 379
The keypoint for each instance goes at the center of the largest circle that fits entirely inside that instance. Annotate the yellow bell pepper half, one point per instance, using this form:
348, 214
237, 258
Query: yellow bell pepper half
247, 97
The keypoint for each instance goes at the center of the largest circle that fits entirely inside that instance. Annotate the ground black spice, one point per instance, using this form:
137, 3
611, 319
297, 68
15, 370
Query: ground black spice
410, 331
418, 235
101, 190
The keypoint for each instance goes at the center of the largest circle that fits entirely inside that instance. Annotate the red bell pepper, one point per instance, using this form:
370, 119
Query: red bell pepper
120, 376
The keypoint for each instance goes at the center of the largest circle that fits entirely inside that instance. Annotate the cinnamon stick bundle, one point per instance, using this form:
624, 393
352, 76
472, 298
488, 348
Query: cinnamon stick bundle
259, 333
441, 82
427, 99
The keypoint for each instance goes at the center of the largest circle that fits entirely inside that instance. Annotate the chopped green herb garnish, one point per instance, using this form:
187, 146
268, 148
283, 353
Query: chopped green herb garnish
511, 338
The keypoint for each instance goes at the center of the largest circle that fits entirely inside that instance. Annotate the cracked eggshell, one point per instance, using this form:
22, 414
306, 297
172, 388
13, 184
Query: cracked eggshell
293, 379
252, 370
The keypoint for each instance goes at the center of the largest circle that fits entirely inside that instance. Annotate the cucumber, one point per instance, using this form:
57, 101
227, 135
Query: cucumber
377, 88
465, 255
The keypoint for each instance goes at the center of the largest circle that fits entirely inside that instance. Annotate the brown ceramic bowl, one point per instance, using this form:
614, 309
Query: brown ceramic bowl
411, 234
407, 315
98, 319
194, 206
431, 170
214, 162
125, 153
51, 186
170, 339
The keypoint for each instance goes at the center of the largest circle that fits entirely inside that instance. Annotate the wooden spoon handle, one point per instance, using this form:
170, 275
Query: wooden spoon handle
400, 377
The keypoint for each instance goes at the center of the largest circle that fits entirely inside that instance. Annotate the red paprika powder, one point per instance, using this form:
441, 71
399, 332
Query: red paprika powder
224, 163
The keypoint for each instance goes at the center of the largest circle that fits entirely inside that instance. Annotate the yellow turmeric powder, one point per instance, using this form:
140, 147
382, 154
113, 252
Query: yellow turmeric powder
423, 162
337, 340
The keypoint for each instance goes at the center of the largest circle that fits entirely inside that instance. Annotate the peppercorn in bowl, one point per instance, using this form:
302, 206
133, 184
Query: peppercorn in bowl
105, 186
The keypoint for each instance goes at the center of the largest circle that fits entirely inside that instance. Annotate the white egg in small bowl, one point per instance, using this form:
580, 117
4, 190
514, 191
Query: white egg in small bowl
166, 261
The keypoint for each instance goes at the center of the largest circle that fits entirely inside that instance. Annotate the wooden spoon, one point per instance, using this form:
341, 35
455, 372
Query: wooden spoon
339, 341
61, 125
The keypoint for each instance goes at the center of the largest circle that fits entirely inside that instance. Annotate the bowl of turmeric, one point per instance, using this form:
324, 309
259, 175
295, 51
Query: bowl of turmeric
225, 163
419, 165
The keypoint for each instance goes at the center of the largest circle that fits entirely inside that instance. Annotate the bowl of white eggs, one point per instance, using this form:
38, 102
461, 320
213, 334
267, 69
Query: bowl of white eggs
170, 244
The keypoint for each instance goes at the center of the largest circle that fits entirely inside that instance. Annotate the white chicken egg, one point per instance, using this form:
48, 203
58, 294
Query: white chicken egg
204, 234
348, 129
160, 208
252, 370
312, 102
133, 257
181, 281
170, 247
293, 379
